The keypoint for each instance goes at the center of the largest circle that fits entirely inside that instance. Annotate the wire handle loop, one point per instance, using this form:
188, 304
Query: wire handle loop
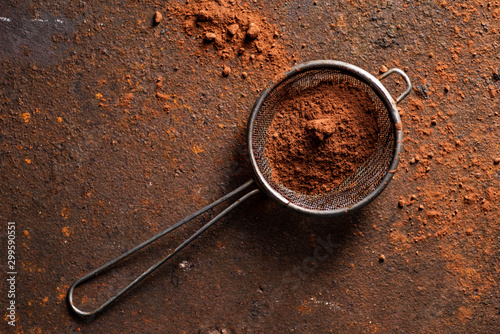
403, 74
97, 271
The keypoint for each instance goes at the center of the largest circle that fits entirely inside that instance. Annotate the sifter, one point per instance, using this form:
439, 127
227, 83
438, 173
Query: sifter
354, 192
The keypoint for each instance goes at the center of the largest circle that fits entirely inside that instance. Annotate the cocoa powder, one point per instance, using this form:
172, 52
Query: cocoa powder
234, 30
320, 137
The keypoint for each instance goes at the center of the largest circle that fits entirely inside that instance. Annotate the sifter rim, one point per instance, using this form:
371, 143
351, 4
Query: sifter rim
380, 91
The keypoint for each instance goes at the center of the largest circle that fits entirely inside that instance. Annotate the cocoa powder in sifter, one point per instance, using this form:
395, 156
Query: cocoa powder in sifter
321, 136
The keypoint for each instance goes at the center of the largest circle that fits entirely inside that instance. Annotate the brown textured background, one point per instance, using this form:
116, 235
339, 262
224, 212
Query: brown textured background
96, 156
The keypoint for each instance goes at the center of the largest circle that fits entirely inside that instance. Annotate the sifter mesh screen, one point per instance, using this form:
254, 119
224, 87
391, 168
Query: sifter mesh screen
365, 179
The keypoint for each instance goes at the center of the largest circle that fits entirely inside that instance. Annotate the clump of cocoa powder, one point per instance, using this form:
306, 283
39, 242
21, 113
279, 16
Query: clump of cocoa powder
319, 138
232, 30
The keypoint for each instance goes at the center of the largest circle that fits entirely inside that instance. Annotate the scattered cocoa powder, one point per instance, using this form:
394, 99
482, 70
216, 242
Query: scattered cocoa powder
126, 100
433, 214
210, 36
157, 17
162, 96
159, 82
253, 31
320, 137
226, 71
234, 30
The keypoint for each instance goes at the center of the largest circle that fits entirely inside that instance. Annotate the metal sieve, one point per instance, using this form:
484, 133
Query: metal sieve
354, 192
370, 178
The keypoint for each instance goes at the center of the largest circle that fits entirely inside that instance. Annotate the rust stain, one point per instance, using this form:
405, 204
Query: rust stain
197, 149
303, 309
61, 292
25, 117
66, 231
65, 213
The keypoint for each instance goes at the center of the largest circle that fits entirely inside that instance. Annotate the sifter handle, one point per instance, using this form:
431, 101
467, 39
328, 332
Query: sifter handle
403, 74
91, 275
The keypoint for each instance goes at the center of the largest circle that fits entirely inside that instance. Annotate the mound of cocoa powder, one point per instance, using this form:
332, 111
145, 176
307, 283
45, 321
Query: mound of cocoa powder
321, 136
233, 30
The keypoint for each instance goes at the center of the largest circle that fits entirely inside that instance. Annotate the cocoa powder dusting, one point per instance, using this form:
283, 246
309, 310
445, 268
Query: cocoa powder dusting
320, 137
233, 30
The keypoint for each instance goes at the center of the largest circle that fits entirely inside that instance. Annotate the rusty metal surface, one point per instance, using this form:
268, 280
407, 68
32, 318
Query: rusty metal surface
93, 161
